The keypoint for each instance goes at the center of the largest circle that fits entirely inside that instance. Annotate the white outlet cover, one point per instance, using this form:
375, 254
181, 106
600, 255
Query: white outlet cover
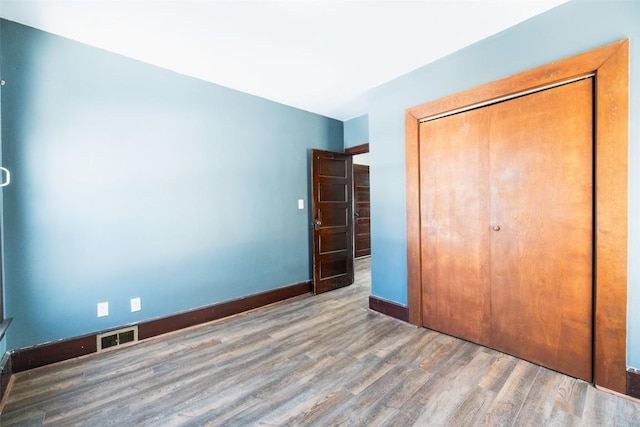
135, 304
103, 309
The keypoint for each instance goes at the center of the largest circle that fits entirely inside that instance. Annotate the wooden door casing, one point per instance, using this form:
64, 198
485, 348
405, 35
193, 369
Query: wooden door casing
610, 66
332, 211
362, 214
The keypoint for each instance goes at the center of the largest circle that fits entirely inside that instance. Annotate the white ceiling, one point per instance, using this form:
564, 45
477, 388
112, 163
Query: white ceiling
321, 56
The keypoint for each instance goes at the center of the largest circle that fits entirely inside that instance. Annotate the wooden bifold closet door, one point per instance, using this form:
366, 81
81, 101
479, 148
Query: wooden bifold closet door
507, 226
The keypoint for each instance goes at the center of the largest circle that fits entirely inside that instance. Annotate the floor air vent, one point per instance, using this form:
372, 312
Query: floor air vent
115, 338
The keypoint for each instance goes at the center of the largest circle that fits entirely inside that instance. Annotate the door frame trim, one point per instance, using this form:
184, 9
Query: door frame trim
610, 64
358, 149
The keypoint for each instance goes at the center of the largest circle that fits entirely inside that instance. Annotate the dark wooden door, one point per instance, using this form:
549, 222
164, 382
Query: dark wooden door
507, 238
332, 211
362, 210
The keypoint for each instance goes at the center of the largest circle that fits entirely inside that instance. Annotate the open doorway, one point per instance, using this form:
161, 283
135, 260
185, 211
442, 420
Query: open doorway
361, 201
361, 216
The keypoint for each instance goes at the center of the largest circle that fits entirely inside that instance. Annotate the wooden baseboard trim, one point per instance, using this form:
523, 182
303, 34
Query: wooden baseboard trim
615, 393
6, 371
5, 395
633, 383
46, 354
218, 311
389, 308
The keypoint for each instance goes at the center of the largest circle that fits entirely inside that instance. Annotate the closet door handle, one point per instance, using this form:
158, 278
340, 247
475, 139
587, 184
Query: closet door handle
8, 181
496, 228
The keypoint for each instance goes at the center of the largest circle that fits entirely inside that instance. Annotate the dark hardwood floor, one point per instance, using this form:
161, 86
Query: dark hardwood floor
315, 360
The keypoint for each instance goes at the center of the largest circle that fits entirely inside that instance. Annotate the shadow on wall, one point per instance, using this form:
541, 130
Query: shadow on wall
133, 181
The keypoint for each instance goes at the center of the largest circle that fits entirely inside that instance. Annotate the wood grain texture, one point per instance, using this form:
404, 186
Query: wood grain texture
332, 224
544, 75
455, 217
46, 354
362, 210
541, 151
272, 367
610, 63
525, 166
414, 257
612, 127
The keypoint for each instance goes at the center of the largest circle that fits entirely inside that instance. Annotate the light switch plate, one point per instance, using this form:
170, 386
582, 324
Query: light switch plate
135, 304
300, 203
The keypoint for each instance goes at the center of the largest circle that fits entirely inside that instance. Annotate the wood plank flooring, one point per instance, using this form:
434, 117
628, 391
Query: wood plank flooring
315, 360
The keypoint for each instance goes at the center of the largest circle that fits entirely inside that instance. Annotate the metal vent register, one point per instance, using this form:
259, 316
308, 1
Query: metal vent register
116, 338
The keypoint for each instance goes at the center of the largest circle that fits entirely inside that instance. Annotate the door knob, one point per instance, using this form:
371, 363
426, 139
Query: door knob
496, 228
317, 223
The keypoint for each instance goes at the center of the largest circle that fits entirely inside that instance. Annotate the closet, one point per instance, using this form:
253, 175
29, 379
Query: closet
506, 226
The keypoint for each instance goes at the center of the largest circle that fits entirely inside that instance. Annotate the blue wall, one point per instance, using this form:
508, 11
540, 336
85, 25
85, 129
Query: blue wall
572, 28
3, 340
133, 181
356, 131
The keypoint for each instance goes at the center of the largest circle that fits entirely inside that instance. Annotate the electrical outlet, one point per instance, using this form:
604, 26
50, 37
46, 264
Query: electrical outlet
103, 309
135, 304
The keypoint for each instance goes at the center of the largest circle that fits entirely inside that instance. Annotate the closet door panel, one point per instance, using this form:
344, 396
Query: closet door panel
541, 153
455, 215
